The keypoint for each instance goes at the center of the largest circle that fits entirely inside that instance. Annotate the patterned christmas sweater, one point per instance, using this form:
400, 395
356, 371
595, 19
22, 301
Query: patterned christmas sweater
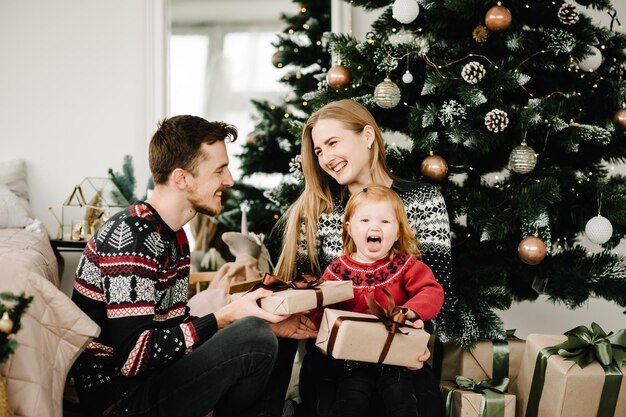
409, 281
428, 217
132, 280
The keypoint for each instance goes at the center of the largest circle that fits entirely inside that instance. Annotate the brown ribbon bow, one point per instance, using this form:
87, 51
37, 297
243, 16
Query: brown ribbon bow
393, 317
304, 282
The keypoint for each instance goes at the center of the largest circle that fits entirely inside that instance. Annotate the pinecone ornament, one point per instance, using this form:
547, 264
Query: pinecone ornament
473, 72
496, 120
480, 34
568, 13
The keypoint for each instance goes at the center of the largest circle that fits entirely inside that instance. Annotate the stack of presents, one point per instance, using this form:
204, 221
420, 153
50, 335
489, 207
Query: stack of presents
576, 374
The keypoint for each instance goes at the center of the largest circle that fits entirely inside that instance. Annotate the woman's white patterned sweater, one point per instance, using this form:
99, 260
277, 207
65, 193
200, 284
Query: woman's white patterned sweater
428, 217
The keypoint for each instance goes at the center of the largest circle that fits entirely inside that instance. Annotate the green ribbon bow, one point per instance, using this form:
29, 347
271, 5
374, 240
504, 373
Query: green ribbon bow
492, 390
584, 346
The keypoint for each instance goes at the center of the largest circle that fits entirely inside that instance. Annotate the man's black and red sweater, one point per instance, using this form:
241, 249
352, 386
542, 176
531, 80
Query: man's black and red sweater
132, 280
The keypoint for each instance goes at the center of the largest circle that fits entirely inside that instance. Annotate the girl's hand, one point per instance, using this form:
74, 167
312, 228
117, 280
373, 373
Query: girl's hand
419, 324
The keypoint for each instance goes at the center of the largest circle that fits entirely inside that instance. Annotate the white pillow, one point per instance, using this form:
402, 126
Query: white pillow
13, 175
13, 214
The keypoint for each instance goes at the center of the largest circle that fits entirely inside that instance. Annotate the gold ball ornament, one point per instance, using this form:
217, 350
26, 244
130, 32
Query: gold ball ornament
338, 76
531, 250
6, 324
498, 18
620, 117
276, 59
434, 167
387, 94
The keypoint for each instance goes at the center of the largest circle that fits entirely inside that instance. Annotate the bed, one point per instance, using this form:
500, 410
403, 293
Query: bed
54, 331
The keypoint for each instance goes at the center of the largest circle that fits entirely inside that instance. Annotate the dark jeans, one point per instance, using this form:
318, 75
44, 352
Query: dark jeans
319, 377
226, 374
357, 386
271, 404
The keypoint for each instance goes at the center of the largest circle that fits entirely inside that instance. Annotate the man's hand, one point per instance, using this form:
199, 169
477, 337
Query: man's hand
297, 326
244, 307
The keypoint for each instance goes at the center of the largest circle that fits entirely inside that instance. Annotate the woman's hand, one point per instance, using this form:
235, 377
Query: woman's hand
297, 326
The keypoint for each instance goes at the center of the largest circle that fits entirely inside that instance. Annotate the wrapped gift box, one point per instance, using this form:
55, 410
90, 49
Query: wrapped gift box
243, 286
467, 403
477, 363
365, 340
568, 390
297, 300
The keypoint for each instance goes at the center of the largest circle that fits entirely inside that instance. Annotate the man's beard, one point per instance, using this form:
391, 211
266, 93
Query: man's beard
202, 207
209, 211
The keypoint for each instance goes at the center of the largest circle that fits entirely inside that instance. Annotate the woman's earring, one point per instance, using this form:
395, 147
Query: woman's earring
369, 146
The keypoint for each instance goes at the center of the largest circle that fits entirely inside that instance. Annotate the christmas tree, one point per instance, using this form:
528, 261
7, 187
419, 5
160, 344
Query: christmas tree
274, 145
517, 111
12, 307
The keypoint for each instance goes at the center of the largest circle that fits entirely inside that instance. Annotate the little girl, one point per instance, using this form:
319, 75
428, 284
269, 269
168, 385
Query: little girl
380, 252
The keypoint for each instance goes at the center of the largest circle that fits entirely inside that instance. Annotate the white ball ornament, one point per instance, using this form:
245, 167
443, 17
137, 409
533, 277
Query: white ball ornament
591, 62
599, 229
405, 11
407, 78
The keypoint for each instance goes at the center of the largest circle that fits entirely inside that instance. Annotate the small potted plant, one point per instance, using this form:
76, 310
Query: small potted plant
12, 308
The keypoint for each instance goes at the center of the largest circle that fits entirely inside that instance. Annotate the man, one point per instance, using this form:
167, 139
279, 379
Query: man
151, 357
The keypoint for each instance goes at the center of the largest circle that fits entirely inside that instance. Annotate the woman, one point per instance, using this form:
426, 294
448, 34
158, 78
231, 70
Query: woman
342, 152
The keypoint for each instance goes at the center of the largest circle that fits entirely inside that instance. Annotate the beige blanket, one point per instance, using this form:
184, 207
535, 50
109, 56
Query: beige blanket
31, 250
54, 331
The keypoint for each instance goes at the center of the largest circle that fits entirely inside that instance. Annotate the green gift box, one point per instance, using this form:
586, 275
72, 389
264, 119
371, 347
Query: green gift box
467, 398
486, 360
578, 374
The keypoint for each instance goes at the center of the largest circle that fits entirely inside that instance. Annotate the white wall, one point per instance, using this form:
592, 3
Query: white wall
542, 315
81, 85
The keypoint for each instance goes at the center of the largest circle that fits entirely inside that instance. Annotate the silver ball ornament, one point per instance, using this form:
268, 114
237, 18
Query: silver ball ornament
522, 159
591, 62
599, 229
387, 94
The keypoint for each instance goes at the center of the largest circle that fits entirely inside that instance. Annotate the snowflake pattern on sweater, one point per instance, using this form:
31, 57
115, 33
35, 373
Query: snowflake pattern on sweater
132, 280
428, 217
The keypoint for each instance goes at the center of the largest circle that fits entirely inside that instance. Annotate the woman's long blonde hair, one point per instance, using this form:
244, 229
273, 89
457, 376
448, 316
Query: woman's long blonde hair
320, 190
406, 242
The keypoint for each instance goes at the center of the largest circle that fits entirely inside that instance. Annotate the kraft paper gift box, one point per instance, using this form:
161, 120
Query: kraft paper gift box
365, 340
243, 286
297, 300
480, 362
466, 403
568, 390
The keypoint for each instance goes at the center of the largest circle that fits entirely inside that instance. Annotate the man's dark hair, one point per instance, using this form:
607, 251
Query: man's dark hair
177, 142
